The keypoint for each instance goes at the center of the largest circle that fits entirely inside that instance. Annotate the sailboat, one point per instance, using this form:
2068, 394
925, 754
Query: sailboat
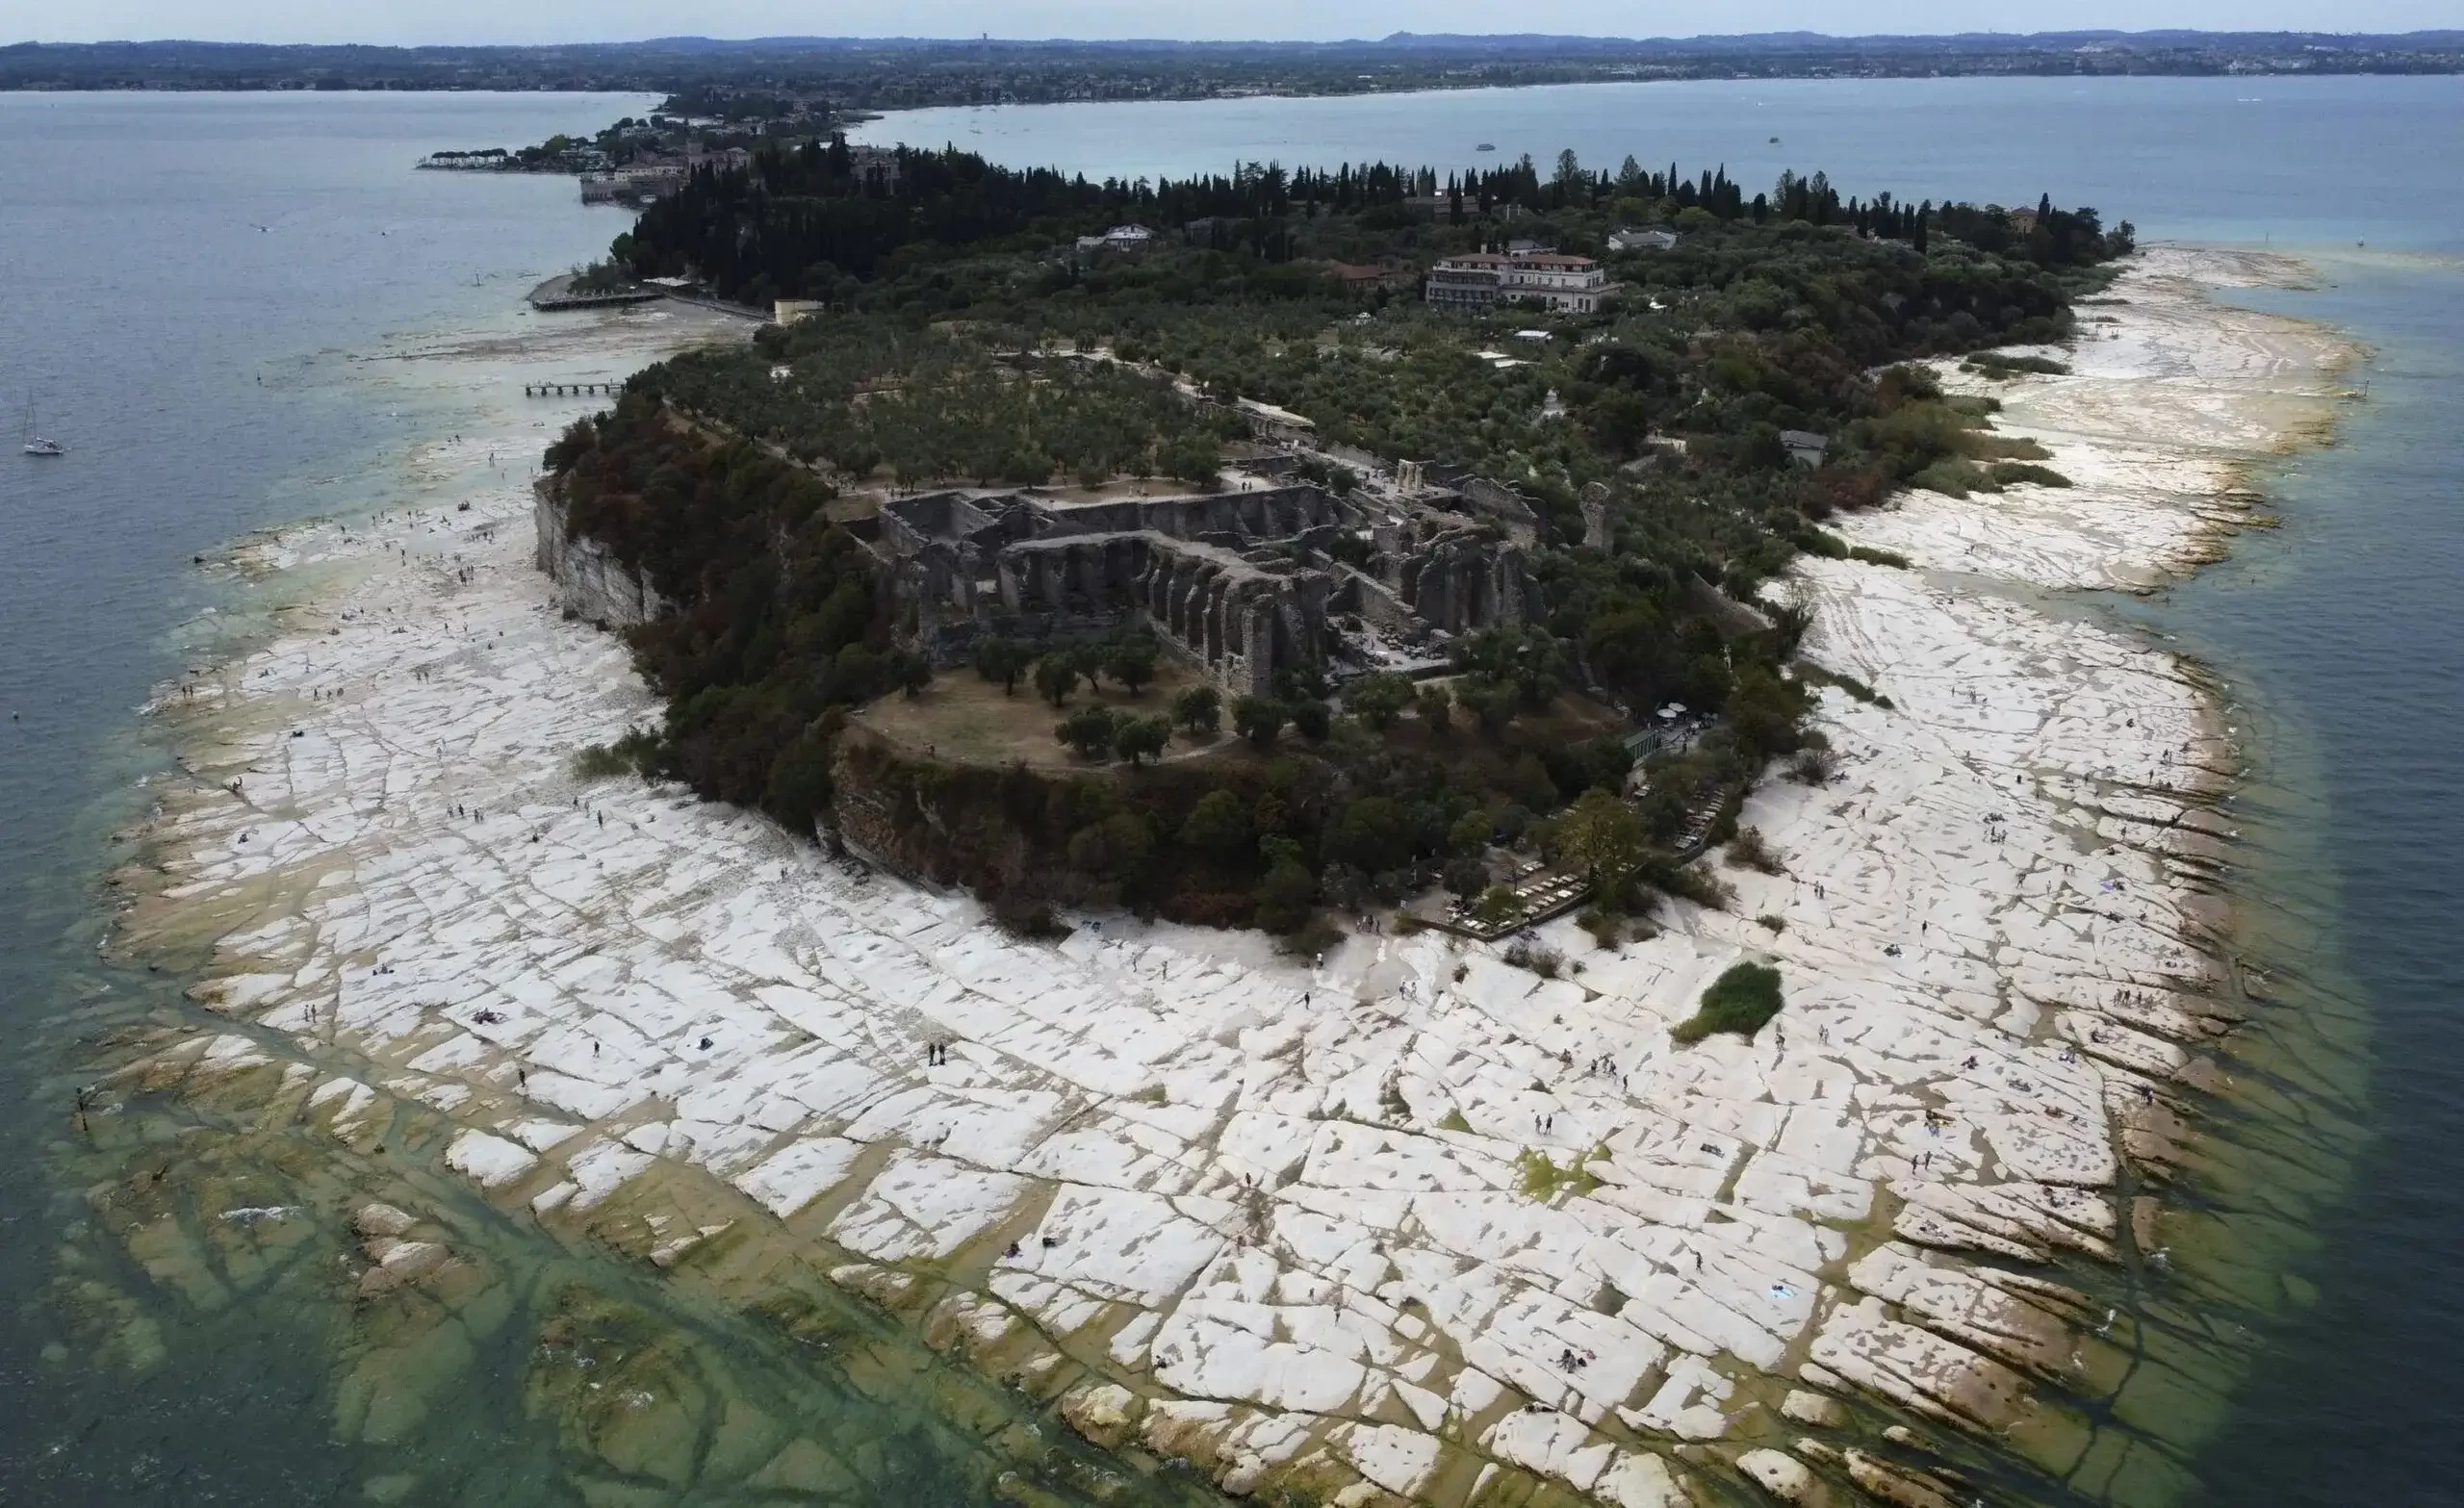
35, 443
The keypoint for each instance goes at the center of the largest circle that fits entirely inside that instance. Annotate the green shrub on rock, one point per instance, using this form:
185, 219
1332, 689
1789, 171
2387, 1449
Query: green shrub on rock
1739, 1001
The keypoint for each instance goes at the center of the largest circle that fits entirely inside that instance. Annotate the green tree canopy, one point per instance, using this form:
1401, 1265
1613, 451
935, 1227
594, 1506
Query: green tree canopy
1056, 676
1259, 719
1090, 731
1217, 824
1140, 738
1603, 838
1131, 661
1285, 897
1377, 699
1375, 835
1003, 660
1199, 711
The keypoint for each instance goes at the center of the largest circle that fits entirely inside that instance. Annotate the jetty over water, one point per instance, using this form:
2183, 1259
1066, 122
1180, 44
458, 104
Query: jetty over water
571, 390
556, 293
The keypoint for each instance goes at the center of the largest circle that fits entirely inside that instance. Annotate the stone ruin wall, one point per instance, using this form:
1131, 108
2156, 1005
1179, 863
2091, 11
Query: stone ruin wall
1459, 582
1195, 569
1490, 499
966, 568
1236, 621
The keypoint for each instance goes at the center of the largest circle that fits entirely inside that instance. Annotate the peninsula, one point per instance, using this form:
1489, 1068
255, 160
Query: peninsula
1397, 893
1379, 457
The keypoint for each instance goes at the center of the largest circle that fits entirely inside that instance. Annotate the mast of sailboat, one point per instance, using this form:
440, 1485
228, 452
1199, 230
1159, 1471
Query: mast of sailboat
35, 443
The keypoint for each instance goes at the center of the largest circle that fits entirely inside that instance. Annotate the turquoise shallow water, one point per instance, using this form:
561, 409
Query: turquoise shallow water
195, 366
149, 304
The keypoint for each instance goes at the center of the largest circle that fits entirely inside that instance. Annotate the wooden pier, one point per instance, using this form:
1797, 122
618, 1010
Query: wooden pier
571, 390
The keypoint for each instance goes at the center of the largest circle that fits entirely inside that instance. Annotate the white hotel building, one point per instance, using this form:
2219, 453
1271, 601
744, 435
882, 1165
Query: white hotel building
1480, 279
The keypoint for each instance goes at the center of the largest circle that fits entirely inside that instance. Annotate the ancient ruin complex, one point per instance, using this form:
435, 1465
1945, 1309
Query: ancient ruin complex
1270, 573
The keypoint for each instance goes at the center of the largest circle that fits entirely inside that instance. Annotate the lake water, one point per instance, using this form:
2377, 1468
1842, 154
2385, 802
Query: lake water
2308, 161
193, 362
193, 277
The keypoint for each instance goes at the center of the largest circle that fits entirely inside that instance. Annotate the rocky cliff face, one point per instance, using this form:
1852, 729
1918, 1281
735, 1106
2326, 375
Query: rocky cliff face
1026, 840
951, 826
591, 582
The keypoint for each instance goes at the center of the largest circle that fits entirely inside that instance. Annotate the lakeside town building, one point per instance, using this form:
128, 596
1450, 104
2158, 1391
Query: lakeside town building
1369, 278
1120, 237
1484, 279
1642, 240
655, 177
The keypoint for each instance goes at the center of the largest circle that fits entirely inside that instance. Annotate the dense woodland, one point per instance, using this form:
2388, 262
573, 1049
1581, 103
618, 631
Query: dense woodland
970, 340
812, 221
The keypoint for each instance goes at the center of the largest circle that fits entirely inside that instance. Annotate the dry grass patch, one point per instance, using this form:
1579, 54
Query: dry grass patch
963, 719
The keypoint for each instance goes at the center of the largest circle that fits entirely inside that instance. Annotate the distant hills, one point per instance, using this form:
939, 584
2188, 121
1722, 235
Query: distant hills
1916, 42
882, 73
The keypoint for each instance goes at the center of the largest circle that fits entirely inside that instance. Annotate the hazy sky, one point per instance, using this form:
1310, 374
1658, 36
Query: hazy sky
592, 21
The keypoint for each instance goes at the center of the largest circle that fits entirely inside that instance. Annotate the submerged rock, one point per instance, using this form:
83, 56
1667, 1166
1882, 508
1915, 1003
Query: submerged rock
380, 1219
1812, 1408
1104, 1413
1900, 1486
1781, 1476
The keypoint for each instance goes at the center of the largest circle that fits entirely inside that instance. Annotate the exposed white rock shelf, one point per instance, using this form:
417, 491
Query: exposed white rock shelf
1991, 965
2164, 408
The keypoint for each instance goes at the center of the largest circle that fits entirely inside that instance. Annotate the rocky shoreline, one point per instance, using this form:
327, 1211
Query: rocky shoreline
1289, 1223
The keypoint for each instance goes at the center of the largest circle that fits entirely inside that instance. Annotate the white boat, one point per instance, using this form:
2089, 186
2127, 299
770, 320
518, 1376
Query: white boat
35, 443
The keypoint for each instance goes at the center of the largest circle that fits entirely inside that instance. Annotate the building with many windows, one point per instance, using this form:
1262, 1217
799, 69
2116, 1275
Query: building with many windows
1482, 279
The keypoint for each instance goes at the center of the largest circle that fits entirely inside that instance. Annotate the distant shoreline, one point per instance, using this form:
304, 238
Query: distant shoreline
902, 73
